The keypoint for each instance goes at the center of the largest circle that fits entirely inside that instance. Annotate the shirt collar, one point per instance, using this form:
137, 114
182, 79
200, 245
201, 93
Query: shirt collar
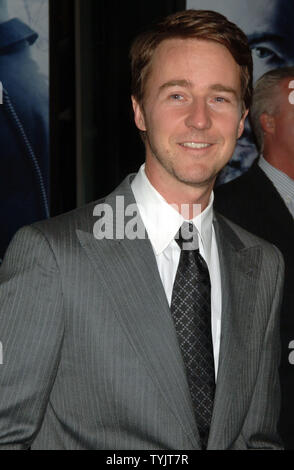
162, 221
283, 183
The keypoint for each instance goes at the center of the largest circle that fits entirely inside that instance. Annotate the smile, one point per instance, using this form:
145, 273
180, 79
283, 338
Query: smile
195, 145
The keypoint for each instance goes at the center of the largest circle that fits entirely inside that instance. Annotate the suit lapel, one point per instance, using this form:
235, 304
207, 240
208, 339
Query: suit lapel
128, 270
239, 272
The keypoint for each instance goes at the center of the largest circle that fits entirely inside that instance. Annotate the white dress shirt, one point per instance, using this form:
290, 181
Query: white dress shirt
162, 222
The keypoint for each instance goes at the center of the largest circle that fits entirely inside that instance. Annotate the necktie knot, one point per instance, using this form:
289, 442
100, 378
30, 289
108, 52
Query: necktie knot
187, 237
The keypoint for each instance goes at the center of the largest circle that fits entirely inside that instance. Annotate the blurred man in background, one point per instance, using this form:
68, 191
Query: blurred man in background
262, 201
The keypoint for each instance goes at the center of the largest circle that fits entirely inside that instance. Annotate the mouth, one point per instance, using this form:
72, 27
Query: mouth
195, 145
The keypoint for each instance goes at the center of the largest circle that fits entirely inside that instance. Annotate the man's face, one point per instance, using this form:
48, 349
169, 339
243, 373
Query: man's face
284, 123
191, 112
268, 25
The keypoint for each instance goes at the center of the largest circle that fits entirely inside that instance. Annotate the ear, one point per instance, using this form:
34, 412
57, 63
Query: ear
138, 115
267, 123
242, 123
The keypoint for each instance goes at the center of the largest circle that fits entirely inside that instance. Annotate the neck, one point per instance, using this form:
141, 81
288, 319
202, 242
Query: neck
188, 199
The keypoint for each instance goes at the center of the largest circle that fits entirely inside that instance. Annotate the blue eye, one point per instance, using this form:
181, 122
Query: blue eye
176, 97
220, 99
264, 53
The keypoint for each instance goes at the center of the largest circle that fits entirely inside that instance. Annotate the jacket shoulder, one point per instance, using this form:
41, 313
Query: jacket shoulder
244, 237
81, 218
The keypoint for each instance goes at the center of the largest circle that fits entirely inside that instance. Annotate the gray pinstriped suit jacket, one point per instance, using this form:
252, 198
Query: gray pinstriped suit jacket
90, 354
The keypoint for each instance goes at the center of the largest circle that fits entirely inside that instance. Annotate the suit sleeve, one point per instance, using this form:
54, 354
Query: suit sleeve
260, 427
31, 334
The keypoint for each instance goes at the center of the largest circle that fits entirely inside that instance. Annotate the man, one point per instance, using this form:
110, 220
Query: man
268, 26
24, 129
262, 201
101, 333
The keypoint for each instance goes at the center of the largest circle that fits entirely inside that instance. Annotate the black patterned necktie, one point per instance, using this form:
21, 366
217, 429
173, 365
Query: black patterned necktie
191, 312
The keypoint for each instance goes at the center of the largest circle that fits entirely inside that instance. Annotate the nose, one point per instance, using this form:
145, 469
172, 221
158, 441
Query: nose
198, 116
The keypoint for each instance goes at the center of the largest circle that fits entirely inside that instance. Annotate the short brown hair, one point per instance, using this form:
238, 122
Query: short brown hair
198, 24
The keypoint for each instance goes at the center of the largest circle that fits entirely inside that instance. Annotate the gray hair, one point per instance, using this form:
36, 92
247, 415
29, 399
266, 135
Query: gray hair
265, 99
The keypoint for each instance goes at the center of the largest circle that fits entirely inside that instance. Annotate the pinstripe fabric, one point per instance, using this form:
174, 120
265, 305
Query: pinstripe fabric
90, 354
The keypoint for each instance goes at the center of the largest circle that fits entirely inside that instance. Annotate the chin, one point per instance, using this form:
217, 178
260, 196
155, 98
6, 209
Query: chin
199, 178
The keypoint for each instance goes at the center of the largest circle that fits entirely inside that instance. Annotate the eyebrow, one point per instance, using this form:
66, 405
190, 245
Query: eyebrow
257, 37
224, 88
171, 83
188, 84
